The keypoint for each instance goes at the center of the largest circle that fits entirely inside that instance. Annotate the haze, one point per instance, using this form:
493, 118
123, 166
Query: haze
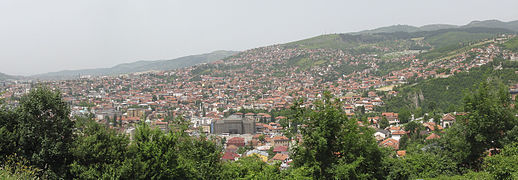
44, 36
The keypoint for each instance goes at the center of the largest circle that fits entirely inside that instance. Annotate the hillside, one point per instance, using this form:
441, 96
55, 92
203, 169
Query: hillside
407, 28
437, 42
446, 94
140, 66
5, 76
511, 25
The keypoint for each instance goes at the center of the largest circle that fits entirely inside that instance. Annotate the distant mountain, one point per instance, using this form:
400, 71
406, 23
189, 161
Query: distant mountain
406, 28
390, 29
512, 25
140, 66
433, 27
5, 77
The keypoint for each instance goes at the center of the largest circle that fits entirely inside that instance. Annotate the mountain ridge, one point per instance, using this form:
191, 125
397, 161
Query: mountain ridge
510, 25
139, 66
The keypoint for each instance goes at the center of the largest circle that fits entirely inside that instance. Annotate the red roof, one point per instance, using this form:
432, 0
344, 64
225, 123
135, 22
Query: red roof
448, 117
280, 149
236, 140
280, 138
389, 142
280, 157
399, 133
229, 156
401, 153
433, 136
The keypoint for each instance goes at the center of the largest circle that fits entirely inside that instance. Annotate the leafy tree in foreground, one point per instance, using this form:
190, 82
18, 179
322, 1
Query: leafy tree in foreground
45, 131
505, 164
335, 147
489, 120
250, 168
98, 152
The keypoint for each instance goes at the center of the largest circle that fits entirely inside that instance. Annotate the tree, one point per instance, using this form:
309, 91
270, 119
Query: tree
261, 138
200, 157
154, 155
505, 164
404, 116
251, 167
45, 131
334, 146
361, 109
98, 152
420, 165
384, 123
489, 120
8, 133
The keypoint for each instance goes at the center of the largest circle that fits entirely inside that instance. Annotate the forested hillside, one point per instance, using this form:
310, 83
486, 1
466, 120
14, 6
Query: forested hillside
446, 94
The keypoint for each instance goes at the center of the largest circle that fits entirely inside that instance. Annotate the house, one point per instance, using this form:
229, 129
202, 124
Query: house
448, 120
393, 118
262, 155
280, 157
236, 141
281, 149
230, 156
381, 134
431, 126
280, 141
231, 148
389, 142
433, 136
398, 134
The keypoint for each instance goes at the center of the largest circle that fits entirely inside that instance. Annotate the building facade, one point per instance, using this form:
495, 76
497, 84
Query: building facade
234, 124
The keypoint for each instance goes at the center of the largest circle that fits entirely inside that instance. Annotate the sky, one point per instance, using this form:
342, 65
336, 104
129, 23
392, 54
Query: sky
45, 36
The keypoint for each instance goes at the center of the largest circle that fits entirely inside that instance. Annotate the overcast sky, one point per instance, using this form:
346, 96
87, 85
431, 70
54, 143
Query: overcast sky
42, 36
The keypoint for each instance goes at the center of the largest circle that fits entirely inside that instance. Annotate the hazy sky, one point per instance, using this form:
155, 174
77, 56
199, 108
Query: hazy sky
41, 36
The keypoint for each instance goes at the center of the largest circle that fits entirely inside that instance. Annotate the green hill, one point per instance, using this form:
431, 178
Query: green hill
448, 93
140, 66
512, 44
5, 76
438, 43
512, 25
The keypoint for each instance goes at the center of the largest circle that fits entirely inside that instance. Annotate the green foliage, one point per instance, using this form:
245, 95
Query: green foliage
489, 119
251, 167
45, 131
334, 146
98, 152
445, 93
404, 116
512, 44
482, 175
16, 167
420, 165
505, 164
384, 123
449, 41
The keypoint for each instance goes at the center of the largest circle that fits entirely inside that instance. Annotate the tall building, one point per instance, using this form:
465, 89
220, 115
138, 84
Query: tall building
234, 124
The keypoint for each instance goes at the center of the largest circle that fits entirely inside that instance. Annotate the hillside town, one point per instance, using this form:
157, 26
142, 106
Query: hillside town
239, 100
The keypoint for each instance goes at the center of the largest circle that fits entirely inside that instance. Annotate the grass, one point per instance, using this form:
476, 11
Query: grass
451, 43
512, 44
386, 88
